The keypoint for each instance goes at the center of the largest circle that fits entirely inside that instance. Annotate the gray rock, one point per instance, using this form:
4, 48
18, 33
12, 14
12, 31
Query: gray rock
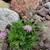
43, 12
47, 4
4, 47
46, 31
48, 17
1, 43
41, 44
6, 17
37, 18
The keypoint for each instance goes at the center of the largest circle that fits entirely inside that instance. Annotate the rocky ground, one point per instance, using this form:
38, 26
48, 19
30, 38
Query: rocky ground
38, 10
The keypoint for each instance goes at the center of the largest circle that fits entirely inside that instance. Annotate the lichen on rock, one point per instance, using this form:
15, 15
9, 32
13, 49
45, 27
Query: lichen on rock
6, 17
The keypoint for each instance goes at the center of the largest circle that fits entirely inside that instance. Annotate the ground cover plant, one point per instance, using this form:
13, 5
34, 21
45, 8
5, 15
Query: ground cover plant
20, 39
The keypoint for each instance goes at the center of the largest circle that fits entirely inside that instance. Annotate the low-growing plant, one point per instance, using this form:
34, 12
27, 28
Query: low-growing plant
19, 39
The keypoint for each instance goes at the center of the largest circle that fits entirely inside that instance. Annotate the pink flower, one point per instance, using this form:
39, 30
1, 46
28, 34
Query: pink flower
3, 35
28, 28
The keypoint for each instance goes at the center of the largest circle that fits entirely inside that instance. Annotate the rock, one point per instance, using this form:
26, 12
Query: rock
43, 12
49, 12
46, 31
4, 4
6, 17
22, 6
43, 19
33, 3
1, 43
41, 44
47, 45
37, 18
45, 1
47, 4
48, 17
3, 25
4, 47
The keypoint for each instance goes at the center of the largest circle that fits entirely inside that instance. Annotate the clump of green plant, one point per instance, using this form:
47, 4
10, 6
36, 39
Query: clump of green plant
20, 39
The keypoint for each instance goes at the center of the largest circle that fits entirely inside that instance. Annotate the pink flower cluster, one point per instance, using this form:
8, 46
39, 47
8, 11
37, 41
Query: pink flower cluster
3, 35
28, 28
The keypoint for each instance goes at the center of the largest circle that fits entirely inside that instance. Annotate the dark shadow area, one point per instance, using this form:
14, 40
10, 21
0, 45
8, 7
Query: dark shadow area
8, 1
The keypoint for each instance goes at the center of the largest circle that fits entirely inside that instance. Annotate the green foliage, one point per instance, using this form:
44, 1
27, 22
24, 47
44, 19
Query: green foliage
19, 39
